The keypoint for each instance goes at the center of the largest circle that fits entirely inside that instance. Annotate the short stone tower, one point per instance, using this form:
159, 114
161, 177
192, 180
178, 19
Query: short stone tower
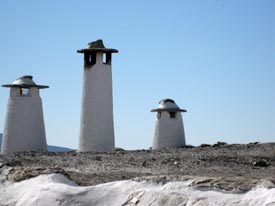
24, 128
96, 124
169, 130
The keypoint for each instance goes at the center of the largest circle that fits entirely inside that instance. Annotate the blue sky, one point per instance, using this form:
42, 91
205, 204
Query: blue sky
215, 58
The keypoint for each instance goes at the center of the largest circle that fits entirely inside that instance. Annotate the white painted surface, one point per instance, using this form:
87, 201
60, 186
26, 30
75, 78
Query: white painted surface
168, 105
97, 127
169, 132
57, 190
24, 126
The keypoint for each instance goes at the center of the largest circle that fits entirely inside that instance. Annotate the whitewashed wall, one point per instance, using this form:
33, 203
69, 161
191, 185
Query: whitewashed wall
169, 132
24, 125
97, 127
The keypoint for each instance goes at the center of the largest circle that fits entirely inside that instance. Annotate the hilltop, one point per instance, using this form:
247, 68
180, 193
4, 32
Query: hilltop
230, 167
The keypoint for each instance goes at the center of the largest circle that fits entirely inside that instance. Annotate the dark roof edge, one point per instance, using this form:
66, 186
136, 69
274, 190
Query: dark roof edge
25, 86
104, 50
168, 110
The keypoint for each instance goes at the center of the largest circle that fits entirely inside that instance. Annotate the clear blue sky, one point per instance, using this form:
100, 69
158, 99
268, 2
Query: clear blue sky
215, 58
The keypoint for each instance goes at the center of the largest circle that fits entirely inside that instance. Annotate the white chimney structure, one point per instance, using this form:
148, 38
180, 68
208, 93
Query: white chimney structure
169, 130
96, 123
24, 128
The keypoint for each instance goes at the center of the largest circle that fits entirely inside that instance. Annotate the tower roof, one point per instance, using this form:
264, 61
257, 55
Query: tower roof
25, 82
97, 46
168, 105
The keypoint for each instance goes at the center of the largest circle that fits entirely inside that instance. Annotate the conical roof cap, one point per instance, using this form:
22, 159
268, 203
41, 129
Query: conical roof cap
25, 81
168, 105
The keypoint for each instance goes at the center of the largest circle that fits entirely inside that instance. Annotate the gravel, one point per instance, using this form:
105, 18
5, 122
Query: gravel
230, 167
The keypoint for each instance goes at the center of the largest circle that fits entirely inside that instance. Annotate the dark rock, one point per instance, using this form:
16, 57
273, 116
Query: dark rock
98, 158
260, 163
188, 146
219, 144
164, 162
13, 163
205, 145
254, 142
144, 164
119, 149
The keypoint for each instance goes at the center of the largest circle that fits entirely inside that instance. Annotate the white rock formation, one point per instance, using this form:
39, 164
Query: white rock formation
57, 190
97, 127
169, 130
24, 125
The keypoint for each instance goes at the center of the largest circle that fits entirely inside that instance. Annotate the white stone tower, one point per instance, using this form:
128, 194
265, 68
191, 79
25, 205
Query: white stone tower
24, 126
169, 130
96, 124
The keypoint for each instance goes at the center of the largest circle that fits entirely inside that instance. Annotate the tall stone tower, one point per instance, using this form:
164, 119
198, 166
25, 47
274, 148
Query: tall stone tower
24, 126
97, 127
169, 130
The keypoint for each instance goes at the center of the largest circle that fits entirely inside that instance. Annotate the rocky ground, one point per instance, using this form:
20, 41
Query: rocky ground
232, 167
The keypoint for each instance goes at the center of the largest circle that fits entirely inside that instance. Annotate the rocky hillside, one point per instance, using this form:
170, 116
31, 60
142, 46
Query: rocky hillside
232, 167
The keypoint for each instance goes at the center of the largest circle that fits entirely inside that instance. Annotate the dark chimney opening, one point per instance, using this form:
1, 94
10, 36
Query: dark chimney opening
89, 59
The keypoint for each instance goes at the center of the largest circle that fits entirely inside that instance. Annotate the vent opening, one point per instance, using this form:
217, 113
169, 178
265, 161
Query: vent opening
173, 115
90, 59
24, 91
